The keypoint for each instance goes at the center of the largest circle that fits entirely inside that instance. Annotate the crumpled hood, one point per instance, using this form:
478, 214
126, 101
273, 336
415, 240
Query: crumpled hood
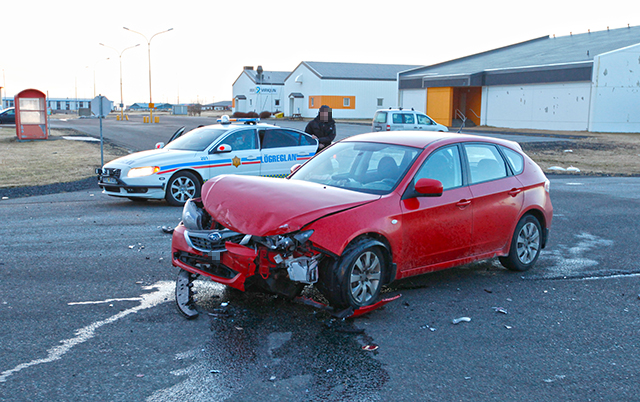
153, 157
262, 206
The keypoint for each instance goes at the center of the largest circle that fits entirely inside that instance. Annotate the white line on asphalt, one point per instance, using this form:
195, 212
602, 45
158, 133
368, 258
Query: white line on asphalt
163, 293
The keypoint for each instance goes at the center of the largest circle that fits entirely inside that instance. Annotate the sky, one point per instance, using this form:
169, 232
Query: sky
54, 46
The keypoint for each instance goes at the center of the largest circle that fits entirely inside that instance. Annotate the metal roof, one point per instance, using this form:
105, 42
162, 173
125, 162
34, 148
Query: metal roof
356, 71
542, 53
268, 77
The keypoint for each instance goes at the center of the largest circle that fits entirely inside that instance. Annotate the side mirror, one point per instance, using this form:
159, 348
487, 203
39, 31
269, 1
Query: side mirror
295, 167
429, 188
159, 145
222, 148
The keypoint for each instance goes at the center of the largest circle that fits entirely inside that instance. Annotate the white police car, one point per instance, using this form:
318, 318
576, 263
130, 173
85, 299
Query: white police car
177, 171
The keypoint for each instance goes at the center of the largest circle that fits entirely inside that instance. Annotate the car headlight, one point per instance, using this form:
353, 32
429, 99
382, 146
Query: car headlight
192, 216
286, 242
143, 171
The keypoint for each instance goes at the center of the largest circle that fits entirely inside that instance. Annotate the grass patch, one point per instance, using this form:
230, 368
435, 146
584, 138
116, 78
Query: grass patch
56, 160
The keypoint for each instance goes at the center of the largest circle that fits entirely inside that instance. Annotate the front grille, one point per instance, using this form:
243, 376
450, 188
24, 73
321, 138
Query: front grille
111, 172
211, 240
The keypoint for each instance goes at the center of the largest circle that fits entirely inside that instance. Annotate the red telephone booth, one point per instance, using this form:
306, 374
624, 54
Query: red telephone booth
31, 115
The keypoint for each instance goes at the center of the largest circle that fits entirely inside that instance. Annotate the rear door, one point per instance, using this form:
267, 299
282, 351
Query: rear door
282, 148
380, 121
497, 198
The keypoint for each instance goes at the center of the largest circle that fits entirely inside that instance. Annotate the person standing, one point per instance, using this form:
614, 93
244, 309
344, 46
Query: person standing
323, 127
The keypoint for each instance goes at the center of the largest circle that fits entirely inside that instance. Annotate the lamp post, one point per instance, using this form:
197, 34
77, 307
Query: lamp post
120, 57
149, 51
94, 74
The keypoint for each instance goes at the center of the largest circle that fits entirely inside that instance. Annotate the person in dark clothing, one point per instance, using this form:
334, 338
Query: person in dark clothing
323, 127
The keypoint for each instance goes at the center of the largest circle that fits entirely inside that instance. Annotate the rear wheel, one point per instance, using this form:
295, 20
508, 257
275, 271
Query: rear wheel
525, 245
356, 278
181, 187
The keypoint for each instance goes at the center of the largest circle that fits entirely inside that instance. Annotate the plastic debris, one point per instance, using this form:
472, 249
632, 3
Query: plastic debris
329, 370
131, 247
272, 378
461, 319
370, 348
573, 169
501, 310
224, 304
566, 151
508, 326
139, 375
5, 198
557, 168
215, 372
426, 326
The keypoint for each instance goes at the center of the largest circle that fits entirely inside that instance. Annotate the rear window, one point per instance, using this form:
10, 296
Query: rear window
380, 117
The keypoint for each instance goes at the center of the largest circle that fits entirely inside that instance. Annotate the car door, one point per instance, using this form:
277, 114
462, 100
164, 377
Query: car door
425, 123
282, 148
235, 153
497, 197
437, 230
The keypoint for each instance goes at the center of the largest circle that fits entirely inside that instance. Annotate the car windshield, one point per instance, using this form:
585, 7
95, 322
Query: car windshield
196, 140
360, 166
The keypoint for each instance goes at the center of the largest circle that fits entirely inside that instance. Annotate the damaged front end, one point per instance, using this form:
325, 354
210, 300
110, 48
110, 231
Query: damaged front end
281, 264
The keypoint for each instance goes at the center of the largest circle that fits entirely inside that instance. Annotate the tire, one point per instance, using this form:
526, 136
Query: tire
356, 278
525, 245
181, 187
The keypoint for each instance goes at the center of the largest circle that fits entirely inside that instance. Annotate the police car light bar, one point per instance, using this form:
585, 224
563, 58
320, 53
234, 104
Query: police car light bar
226, 120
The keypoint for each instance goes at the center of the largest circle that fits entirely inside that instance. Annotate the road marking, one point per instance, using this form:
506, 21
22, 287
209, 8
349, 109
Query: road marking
105, 301
161, 295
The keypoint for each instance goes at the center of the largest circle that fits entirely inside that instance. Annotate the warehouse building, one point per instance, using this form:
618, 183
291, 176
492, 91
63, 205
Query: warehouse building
352, 90
584, 82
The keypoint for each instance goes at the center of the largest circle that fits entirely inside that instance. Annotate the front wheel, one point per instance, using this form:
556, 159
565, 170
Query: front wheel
525, 245
181, 187
356, 279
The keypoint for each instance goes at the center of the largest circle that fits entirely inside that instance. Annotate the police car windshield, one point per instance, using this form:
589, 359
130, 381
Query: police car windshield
196, 140
359, 166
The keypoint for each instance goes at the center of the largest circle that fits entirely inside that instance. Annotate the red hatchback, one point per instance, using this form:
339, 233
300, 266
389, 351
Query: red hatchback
368, 210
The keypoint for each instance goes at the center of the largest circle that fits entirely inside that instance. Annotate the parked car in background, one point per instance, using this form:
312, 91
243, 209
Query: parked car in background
8, 116
177, 171
404, 119
364, 212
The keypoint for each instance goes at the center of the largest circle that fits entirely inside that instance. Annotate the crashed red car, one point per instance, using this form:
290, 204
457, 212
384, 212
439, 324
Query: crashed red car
368, 210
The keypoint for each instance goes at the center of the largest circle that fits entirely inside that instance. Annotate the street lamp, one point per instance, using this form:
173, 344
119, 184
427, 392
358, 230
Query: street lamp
149, 51
120, 56
94, 74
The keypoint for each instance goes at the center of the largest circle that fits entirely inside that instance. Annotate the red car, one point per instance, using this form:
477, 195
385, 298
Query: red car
368, 210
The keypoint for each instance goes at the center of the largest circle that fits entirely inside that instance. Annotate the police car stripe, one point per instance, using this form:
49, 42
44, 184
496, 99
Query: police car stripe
206, 165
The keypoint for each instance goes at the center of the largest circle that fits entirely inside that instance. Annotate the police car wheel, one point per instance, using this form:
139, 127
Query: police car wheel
181, 187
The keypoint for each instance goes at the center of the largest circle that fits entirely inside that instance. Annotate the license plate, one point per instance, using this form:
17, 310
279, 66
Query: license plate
109, 180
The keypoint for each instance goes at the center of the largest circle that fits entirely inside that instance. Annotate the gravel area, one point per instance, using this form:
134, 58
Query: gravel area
90, 183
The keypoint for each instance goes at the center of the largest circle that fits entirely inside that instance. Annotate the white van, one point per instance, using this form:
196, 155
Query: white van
399, 119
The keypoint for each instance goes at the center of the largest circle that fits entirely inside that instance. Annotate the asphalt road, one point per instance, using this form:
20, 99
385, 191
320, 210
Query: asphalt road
87, 314
138, 136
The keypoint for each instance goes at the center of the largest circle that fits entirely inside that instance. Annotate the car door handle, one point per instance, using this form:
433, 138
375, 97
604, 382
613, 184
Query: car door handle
303, 153
463, 204
515, 191
252, 157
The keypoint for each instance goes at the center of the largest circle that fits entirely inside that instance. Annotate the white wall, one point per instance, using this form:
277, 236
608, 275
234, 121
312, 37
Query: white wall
615, 103
259, 97
414, 98
545, 106
366, 93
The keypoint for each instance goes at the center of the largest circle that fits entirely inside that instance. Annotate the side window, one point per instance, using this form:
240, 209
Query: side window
485, 162
422, 119
307, 140
443, 165
242, 140
408, 118
278, 138
515, 160
397, 118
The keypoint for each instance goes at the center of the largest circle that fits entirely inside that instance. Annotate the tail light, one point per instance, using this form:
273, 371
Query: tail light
388, 127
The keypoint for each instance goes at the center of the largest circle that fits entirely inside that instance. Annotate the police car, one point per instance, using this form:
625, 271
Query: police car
177, 171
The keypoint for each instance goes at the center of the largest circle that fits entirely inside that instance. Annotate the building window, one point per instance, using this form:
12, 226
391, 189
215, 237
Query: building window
380, 102
346, 102
250, 102
312, 99
277, 102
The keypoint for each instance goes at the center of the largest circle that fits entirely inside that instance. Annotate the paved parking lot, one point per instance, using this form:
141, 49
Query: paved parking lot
87, 312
